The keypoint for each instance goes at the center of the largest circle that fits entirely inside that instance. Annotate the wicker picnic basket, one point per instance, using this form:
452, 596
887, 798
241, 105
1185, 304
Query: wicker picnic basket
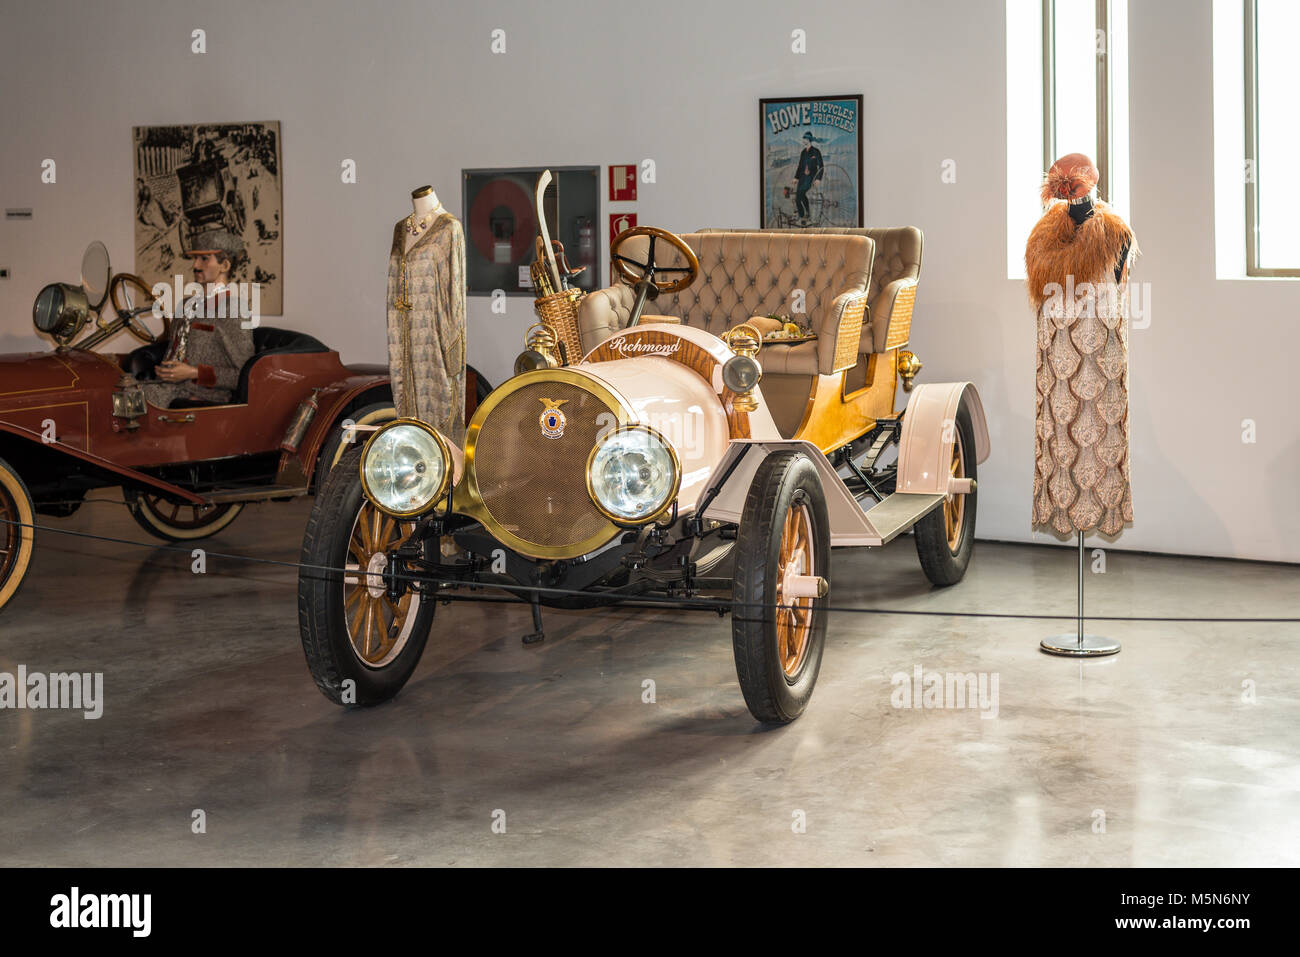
559, 310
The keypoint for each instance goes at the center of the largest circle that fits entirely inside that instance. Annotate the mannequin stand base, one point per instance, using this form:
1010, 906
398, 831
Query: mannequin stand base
1069, 646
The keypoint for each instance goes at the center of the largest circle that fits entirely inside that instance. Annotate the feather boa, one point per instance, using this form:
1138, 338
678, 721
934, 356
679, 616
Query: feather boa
1089, 252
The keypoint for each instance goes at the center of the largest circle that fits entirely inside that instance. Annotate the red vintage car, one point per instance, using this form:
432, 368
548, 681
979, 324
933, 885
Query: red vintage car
75, 419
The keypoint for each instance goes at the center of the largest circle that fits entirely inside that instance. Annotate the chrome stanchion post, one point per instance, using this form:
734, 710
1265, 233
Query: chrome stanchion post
1079, 645
1079, 619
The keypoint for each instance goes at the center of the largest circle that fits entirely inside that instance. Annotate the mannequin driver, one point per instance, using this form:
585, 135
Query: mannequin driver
207, 350
211, 270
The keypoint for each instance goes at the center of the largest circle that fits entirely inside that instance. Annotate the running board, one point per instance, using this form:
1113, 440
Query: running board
254, 494
850, 524
900, 511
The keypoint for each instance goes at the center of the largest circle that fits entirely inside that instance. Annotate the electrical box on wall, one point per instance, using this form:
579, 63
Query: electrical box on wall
501, 227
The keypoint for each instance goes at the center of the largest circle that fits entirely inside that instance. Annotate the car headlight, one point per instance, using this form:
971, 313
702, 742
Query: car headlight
405, 468
60, 310
741, 373
633, 475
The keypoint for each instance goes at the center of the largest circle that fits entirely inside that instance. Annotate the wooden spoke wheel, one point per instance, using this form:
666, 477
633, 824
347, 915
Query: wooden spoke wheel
362, 632
377, 624
794, 615
17, 537
778, 632
175, 521
945, 538
954, 506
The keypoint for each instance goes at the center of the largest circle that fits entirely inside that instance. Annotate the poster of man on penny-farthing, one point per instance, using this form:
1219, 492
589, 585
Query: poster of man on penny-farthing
811, 163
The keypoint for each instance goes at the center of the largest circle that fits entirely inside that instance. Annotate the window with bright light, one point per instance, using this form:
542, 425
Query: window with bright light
1074, 78
1085, 83
1272, 136
1067, 92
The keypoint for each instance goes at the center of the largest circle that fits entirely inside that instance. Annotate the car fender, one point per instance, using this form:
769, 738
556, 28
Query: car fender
723, 496
331, 403
925, 448
129, 475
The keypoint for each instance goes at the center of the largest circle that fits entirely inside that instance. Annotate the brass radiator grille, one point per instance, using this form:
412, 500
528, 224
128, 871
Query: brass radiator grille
532, 485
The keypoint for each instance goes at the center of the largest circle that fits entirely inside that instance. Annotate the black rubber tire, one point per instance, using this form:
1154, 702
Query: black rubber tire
321, 620
361, 412
17, 502
159, 527
782, 479
942, 565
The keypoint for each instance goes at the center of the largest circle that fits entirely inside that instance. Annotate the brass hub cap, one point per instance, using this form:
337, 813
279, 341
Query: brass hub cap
375, 574
377, 625
954, 506
797, 557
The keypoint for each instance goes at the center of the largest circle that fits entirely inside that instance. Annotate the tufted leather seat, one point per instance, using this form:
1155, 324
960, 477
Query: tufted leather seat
748, 274
895, 272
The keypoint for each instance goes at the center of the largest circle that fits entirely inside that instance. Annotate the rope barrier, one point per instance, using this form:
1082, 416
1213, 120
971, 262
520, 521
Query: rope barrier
717, 605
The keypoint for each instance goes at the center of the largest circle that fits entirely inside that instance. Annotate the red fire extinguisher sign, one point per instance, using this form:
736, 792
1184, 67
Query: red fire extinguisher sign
619, 222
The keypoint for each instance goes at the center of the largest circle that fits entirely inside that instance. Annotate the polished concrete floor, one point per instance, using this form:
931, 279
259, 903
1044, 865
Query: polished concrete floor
1183, 750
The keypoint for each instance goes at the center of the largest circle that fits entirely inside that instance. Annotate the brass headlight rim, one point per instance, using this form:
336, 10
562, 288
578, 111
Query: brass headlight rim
447, 460
620, 520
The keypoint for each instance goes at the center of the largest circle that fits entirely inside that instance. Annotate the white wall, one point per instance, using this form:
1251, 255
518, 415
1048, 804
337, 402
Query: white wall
411, 91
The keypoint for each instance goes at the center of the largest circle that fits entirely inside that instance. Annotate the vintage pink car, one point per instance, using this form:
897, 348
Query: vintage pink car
711, 454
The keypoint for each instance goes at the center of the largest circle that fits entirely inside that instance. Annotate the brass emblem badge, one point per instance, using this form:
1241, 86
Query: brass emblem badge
552, 419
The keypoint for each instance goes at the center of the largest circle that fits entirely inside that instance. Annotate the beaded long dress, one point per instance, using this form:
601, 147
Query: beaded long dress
426, 326
1078, 282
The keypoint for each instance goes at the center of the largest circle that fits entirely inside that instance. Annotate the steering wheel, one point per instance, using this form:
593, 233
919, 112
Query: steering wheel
648, 270
128, 314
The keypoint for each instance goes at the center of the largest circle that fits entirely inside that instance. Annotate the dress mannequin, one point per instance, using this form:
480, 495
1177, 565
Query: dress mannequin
425, 206
426, 315
1077, 261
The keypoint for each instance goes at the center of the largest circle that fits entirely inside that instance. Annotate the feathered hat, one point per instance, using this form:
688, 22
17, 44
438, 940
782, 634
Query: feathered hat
1071, 178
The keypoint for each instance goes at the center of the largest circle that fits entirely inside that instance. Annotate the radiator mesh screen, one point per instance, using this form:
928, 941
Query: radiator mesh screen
535, 487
